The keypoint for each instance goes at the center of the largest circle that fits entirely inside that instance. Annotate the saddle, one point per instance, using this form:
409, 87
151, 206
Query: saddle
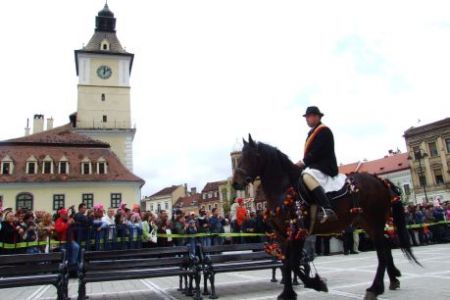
312, 210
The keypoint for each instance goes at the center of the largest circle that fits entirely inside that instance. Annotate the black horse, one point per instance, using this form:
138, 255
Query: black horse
371, 195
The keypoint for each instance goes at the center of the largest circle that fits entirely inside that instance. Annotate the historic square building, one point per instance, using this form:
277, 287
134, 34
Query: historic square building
89, 159
429, 156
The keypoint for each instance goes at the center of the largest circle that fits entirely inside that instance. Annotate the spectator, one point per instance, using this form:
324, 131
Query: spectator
249, 226
122, 230
226, 230
45, 230
347, 238
65, 235
216, 224
29, 234
203, 226
135, 230
241, 215
440, 228
164, 228
179, 227
190, 230
10, 231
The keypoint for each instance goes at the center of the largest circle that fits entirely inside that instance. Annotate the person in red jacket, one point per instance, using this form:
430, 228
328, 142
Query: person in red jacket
64, 232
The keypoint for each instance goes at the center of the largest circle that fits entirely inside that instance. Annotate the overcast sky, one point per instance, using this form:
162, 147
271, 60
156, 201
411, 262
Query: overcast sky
206, 73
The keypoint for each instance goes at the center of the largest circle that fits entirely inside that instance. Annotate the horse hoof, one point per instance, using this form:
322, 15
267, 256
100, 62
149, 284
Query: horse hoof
370, 296
394, 285
287, 296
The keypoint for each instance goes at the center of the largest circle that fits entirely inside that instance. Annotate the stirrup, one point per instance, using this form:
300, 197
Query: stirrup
328, 213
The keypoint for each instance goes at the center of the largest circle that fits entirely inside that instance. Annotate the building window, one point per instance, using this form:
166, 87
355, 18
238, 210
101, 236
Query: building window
151, 206
105, 119
47, 168
86, 168
447, 145
6, 168
101, 167
209, 195
103, 97
116, 199
215, 194
31, 167
25, 201
58, 201
439, 179
204, 196
166, 205
216, 205
433, 149
63, 167
88, 199
209, 207
422, 180
407, 189
158, 208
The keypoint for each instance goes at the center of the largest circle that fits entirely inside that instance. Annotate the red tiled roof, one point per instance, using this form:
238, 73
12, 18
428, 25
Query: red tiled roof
188, 201
213, 186
389, 164
56, 143
166, 191
59, 136
19, 155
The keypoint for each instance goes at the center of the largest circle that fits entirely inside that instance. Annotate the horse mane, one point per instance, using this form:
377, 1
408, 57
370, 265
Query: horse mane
278, 163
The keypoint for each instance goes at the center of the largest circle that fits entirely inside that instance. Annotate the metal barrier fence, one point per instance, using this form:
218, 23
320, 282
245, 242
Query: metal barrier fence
121, 237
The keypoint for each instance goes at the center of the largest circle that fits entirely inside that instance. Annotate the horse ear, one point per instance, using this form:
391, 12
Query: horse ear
244, 141
250, 140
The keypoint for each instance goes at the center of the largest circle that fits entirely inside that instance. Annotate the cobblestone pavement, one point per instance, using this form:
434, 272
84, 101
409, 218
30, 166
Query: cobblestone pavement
347, 277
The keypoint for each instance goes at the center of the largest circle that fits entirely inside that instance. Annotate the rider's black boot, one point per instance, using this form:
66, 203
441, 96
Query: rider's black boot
324, 202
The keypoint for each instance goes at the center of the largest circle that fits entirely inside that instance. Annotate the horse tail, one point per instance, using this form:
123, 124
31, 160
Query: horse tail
398, 213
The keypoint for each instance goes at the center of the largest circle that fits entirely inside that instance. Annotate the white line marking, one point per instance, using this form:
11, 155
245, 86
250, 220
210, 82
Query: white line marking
156, 288
42, 291
35, 292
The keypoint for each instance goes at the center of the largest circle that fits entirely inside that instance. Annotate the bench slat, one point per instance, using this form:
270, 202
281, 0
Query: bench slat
233, 247
11, 270
30, 258
134, 274
246, 267
28, 280
135, 263
217, 258
134, 253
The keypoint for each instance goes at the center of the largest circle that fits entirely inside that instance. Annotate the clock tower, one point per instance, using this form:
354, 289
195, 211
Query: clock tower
103, 68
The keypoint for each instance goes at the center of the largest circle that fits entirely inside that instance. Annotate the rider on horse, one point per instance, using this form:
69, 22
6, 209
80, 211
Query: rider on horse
320, 173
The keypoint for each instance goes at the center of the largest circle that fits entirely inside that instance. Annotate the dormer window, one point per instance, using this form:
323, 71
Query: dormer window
47, 165
101, 166
63, 167
7, 166
86, 167
32, 166
104, 45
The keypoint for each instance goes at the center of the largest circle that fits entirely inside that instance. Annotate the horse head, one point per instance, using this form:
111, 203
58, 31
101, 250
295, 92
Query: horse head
248, 167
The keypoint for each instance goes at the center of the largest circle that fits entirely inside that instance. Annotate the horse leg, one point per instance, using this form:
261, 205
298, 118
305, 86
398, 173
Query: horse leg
288, 292
377, 287
392, 271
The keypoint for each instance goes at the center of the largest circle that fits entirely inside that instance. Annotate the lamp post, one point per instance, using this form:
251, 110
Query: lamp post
420, 155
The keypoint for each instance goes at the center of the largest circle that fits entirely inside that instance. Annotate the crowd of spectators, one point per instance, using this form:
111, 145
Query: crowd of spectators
124, 228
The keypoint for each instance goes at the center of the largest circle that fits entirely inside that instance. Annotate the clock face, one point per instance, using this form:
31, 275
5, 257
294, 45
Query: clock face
104, 72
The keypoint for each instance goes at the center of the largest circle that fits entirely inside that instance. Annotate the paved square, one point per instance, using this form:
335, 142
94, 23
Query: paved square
347, 276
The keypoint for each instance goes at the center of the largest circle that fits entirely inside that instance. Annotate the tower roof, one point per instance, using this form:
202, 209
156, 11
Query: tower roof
105, 29
104, 40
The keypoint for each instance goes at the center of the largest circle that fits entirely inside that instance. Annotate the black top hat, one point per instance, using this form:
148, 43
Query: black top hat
313, 110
